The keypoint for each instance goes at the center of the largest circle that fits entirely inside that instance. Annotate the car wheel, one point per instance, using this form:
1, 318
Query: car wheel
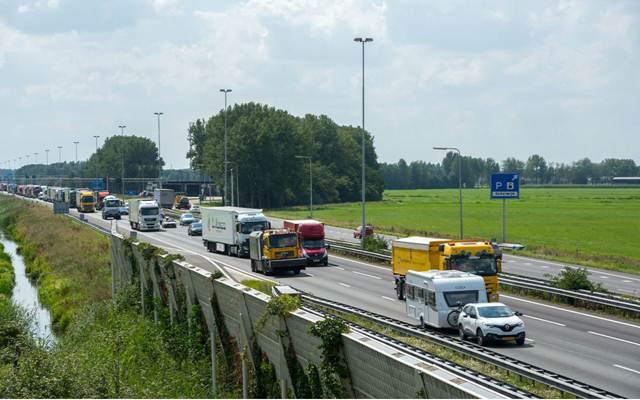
296, 271
520, 341
481, 340
422, 326
326, 262
461, 333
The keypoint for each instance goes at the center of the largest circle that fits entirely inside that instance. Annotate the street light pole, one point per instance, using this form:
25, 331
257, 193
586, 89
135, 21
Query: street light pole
363, 41
76, 143
459, 181
225, 91
122, 129
96, 137
59, 154
310, 184
158, 114
122, 157
46, 151
35, 158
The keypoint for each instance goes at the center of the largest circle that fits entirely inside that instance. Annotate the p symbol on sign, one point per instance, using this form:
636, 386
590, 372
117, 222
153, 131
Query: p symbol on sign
509, 185
498, 185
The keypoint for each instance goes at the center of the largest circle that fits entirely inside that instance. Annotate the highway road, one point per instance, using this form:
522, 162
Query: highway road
599, 350
619, 282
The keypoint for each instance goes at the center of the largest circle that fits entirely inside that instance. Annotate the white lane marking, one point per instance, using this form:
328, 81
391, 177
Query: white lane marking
614, 338
564, 265
388, 298
340, 268
572, 312
544, 320
344, 284
544, 266
308, 274
626, 281
360, 262
603, 277
370, 276
529, 340
626, 290
619, 276
528, 264
626, 368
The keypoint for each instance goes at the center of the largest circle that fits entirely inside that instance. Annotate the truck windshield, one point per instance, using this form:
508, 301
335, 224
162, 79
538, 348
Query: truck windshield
280, 241
149, 211
475, 265
462, 297
248, 227
313, 243
87, 199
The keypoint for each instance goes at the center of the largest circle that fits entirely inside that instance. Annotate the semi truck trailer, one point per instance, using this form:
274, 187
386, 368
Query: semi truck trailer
144, 215
227, 229
422, 254
164, 197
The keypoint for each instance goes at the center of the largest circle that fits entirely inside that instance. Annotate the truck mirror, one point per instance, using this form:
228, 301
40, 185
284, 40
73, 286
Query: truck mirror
327, 246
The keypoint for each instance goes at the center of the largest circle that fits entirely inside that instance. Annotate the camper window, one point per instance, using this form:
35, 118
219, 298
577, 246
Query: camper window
419, 293
430, 298
410, 292
462, 297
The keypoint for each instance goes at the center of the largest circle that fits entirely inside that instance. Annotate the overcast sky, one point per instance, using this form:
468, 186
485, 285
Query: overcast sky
496, 78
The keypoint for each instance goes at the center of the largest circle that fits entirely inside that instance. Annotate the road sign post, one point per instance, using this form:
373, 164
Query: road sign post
505, 185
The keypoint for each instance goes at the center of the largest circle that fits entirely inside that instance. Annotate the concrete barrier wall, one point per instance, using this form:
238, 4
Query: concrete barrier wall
376, 370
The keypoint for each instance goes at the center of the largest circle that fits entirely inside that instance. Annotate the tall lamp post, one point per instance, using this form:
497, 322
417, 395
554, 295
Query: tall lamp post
237, 188
76, 143
225, 91
310, 184
96, 137
35, 158
363, 231
59, 154
46, 151
459, 181
158, 114
122, 157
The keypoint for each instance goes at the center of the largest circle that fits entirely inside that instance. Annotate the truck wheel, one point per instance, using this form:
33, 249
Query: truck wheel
326, 262
400, 291
296, 271
422, 325
131, 223
253, 266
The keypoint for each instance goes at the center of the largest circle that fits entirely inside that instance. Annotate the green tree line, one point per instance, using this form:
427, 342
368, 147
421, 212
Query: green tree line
262, 145
477, 171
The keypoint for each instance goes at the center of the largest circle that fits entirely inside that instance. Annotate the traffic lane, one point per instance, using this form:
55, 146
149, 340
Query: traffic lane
535, 268
363, 290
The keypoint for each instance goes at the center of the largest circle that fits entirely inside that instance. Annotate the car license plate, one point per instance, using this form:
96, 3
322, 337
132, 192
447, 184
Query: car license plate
508, 337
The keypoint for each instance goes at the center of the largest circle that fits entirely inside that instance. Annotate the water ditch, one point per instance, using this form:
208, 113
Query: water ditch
25, 294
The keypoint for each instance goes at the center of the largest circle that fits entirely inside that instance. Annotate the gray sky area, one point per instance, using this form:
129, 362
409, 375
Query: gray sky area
496, 78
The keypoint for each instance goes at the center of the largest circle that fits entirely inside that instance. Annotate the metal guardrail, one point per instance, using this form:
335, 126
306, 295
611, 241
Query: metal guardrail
518, 281
457, 369
552, 379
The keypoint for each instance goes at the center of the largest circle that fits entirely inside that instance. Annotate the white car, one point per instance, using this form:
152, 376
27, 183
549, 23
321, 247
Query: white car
168, 222
490, 321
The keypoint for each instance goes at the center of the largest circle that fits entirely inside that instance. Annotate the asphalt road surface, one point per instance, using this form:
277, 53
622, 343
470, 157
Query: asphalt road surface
600, 350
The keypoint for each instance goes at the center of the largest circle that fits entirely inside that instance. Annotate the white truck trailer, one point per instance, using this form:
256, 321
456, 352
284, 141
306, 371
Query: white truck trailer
435, 297
227, 229
164, 197
144, 215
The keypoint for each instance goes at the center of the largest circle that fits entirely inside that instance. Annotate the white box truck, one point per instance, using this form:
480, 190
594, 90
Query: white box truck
144, 215
164, 197
227, 229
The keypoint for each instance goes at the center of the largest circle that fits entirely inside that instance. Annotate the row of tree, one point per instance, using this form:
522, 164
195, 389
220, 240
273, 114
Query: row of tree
264, 146
477, 171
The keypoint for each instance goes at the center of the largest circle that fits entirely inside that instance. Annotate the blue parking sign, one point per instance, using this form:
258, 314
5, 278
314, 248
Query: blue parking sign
505, 185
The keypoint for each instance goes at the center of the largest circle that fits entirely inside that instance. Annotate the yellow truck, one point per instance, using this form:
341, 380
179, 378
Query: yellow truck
86, 202
422, 254
276, 250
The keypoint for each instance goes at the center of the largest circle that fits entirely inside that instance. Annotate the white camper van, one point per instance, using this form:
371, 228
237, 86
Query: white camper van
435, 297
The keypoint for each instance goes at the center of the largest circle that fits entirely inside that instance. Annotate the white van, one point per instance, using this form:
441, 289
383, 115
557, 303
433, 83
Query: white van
435, 297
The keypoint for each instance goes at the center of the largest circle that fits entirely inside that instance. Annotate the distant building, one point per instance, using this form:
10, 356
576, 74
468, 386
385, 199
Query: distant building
626, 180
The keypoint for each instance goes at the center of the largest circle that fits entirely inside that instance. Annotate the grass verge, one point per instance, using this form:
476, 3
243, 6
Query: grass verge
259, 285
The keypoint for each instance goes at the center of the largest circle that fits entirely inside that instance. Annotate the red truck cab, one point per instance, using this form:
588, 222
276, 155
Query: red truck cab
311, 233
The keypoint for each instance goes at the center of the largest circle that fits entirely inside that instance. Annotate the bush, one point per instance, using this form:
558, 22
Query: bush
375, 243
575, 279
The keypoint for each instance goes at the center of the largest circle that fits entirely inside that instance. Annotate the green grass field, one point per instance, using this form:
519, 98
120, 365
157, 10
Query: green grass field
598, 227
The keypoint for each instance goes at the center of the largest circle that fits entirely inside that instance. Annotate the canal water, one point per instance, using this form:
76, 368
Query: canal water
26, 295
